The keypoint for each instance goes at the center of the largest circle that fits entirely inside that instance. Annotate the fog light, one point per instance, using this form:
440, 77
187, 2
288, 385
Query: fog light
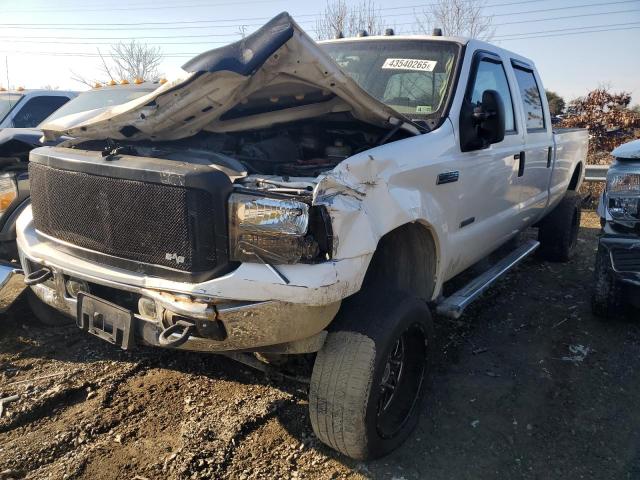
147, 308
75, 286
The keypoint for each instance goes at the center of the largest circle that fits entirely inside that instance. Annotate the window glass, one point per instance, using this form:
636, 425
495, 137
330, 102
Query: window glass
491, 76
36, 110
7, 102
99, 98
412, 77
531, 99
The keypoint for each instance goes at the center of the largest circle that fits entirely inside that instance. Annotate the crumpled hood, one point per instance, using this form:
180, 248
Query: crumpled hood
277, 74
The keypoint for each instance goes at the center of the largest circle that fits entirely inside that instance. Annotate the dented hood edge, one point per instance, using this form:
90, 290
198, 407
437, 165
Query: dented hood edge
238, 80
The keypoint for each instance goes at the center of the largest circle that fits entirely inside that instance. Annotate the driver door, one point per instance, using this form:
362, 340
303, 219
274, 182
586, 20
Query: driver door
489, 196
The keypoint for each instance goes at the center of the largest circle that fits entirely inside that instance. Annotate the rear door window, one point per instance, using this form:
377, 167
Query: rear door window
531, 98
37, 109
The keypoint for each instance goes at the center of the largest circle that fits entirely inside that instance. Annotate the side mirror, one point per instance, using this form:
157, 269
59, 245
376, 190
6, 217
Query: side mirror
482, 124
490, 117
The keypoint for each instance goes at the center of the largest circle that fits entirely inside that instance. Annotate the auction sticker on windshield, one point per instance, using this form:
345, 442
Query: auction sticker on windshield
409, 64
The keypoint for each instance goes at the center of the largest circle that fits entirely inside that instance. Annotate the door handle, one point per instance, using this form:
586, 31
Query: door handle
520, 157
549, 156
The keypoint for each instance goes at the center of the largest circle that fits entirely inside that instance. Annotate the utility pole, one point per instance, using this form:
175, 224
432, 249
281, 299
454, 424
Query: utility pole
6, 64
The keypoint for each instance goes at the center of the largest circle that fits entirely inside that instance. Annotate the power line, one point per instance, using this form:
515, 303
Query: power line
134, 7
565, 17
51, 39
545, 19
565, 29
567, 8
571, 33
101, 26
127, 25
155, 6
528, 35
497, 37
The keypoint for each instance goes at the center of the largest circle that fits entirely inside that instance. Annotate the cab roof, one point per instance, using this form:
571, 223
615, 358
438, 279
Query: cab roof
393, 38
463, 41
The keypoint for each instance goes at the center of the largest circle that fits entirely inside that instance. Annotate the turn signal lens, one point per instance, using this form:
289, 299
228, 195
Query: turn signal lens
8, 191
147, 308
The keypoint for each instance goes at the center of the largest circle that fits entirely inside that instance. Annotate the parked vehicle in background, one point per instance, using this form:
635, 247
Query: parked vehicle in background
617, 269
21, 111
24, 112
28, 108
295, 198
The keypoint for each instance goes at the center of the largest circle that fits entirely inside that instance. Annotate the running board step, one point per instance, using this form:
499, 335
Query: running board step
454, 305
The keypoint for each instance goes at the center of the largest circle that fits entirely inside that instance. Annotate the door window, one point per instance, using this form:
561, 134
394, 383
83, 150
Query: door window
37, 109
491, 76
531, 99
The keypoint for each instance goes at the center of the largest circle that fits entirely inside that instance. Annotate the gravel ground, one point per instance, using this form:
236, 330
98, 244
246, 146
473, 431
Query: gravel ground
528, 385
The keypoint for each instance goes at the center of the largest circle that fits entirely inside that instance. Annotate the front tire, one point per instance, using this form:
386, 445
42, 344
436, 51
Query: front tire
558, 232
369, 378
607, 298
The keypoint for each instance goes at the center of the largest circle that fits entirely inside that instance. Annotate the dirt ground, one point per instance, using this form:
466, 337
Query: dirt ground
528, 385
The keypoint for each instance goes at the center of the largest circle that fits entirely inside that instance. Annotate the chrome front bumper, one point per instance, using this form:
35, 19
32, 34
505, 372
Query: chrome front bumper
267, 326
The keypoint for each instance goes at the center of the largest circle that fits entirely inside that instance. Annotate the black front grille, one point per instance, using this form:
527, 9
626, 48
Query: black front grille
626, 260
153, 224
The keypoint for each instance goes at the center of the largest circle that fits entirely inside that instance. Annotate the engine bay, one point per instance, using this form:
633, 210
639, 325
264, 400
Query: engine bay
304, 149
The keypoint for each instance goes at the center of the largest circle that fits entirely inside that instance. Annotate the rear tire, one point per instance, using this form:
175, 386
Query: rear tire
607, 298
45, 314
558, 232
369, 378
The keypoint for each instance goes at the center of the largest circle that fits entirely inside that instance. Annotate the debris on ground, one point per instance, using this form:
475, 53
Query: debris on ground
579, 352
90, 411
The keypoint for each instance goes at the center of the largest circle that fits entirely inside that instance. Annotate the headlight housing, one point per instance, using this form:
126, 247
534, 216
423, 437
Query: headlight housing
8, 191
623, 196
273, 230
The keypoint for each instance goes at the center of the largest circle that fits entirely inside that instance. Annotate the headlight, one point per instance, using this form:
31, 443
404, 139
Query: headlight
272, 230
8, 191
623, 193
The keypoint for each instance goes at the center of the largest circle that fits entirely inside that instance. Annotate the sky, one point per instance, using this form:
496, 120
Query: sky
577, 45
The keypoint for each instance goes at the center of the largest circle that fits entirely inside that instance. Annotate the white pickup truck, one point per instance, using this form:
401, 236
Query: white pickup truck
290, 197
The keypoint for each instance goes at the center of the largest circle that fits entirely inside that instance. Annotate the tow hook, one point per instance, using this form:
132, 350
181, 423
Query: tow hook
181, 327
38, 276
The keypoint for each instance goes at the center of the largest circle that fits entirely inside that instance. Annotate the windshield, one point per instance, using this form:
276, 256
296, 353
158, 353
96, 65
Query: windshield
413, 77
93, 99
7, 102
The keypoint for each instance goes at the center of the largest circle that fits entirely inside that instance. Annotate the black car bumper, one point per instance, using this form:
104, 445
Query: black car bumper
624, 254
